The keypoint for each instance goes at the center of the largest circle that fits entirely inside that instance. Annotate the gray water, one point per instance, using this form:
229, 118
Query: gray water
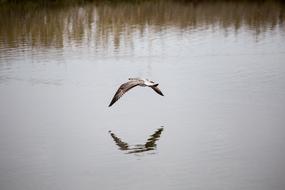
219, 126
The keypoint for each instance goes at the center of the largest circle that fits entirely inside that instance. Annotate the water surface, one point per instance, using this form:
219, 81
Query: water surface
219, 64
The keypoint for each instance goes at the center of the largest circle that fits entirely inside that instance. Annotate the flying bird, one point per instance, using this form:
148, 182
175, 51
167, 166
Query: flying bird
133, 82
149, 145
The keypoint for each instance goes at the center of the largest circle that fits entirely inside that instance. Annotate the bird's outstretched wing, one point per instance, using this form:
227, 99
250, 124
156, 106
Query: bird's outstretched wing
124, 88
153, 138
157, 90
121, 144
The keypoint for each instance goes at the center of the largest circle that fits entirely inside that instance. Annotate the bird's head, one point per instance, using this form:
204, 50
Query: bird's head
134, 79
151, 83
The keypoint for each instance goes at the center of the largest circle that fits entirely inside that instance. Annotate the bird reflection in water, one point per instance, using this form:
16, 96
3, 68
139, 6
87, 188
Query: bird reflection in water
138, 148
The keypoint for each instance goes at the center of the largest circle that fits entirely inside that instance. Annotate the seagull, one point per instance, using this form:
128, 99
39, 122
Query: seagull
131, 84
149, 145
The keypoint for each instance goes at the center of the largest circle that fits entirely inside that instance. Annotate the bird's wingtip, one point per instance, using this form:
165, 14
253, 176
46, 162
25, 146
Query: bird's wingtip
112, 102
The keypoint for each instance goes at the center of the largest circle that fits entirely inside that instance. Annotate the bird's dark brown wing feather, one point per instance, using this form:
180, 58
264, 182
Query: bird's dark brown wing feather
157, 90
123, 145
123, 89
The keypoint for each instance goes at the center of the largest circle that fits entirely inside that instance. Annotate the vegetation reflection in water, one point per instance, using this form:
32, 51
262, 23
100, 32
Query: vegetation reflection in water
149, 145
106, 25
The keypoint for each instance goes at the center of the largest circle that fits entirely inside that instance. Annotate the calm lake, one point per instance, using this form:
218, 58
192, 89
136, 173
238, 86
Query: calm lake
220, 125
